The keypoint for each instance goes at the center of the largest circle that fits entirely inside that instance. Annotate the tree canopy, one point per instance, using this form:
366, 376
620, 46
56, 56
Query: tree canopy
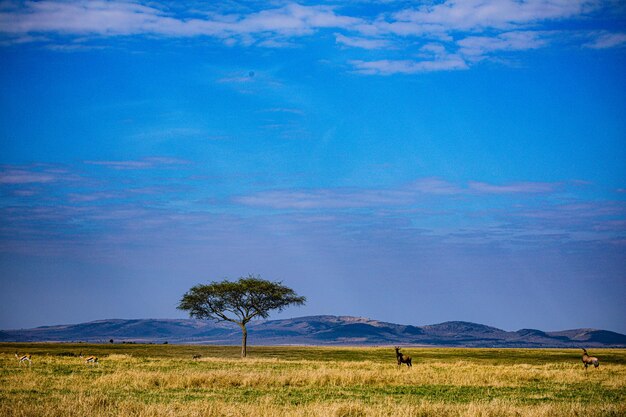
238, 302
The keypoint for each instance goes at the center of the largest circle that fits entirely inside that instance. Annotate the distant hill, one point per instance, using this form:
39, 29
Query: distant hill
314, 330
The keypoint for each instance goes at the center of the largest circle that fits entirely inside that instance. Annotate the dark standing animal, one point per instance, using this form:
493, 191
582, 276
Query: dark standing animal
403, 358
589, 360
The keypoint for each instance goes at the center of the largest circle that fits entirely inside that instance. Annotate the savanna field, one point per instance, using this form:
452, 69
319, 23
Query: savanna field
165, 380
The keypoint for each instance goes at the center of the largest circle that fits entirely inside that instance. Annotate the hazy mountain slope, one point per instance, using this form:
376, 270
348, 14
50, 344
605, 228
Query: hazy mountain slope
315, 330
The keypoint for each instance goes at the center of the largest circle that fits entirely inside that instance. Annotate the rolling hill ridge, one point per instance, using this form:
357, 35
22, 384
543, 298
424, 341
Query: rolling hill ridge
313, 330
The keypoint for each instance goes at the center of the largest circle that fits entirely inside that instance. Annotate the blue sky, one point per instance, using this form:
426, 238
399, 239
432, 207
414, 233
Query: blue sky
414, 162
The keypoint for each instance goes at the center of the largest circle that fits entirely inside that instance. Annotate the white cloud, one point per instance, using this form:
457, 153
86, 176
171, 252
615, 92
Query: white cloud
390, 67
465, 31
431, 57
363, 43
405, 29
104, 18
472, 15
107, 18
476, 47
83, 17
604, 40
293, 19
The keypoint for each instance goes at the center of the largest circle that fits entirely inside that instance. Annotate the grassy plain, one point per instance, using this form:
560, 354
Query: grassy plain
164, 380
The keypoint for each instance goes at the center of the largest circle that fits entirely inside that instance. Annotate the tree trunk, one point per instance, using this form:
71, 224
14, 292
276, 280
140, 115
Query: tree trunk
244, 340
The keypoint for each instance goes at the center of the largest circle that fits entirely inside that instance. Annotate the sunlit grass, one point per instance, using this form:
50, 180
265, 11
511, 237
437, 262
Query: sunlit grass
164, 380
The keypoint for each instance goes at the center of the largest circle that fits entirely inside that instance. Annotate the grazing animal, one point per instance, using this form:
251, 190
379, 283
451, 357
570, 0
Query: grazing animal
23, 358
589, 360
403, 358
197, 356
93, 360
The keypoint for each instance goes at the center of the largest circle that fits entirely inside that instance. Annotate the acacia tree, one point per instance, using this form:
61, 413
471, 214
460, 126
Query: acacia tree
239, 301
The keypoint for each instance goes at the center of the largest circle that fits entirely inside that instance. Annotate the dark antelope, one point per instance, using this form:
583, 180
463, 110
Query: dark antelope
23, 359
403, 358
589, 360
89, 360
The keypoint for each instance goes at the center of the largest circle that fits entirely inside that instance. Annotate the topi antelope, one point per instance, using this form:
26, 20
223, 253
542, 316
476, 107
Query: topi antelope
403, 358
89, 360
23, 358
589, 360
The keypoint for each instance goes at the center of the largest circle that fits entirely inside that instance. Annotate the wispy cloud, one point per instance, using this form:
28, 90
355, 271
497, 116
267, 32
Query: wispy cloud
316, 199
283, 110
174, 133
89, 197
23, 39
515, 188
431, 57
605, 40
360, 42
32, 174
107, 213
19, 176
588, 221
478, 15
435, 186
477, 47
347, 198
341, 198
147, 163
237, 79
389, 67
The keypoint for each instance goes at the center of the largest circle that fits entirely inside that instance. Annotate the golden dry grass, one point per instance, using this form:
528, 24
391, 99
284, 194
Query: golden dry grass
142, 381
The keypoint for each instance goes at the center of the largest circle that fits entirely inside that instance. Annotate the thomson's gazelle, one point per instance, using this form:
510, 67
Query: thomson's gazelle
23, 358
90, 359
